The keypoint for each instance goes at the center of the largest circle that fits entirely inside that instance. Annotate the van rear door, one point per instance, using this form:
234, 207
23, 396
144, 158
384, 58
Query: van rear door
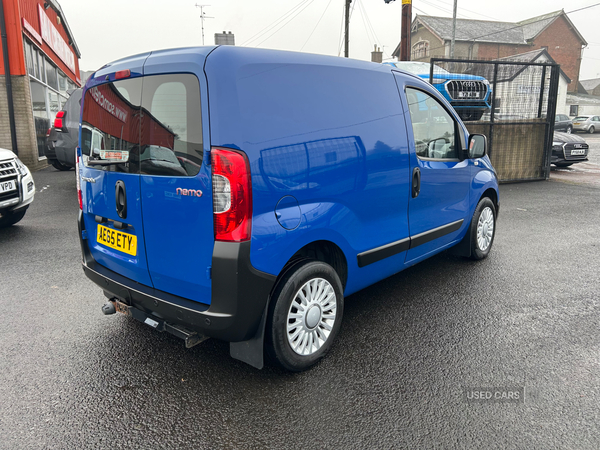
110, 180
176, 195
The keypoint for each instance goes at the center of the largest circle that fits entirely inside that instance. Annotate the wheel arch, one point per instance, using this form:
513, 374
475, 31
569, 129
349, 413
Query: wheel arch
324, 251
493, 196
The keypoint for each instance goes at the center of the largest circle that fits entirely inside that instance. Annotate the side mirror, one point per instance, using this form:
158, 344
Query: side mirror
477, 146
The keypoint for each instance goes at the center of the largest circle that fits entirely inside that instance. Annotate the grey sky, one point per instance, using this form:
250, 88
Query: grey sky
117, 28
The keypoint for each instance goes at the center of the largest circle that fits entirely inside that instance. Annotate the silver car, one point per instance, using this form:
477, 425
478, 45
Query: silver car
586, 123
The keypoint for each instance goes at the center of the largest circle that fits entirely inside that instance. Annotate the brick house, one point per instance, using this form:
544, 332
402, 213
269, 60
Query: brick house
489, 40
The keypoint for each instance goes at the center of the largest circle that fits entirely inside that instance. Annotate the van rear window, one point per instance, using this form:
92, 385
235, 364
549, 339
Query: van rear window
149, 125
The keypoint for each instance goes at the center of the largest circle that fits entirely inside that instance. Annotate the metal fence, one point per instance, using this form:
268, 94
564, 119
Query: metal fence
512, 102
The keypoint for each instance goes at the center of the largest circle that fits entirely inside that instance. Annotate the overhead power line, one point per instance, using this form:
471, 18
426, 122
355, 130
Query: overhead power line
318, 22
273, 24
282, 26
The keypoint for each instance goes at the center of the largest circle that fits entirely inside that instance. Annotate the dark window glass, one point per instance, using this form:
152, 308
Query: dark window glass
111, 125
171, 128
29, 54
574, 110
51, 76
40, 114
433, 127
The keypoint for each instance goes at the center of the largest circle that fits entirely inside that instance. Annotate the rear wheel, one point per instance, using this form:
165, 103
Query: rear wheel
591, 130
59, 166
483, 229
10, 218
305, 315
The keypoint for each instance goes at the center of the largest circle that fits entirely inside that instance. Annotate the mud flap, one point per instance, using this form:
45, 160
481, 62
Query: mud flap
252, 351
464, 247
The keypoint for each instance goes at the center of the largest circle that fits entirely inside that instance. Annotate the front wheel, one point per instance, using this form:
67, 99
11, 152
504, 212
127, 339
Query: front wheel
591, 130
305, 315
483, 229
569, 129
10, 218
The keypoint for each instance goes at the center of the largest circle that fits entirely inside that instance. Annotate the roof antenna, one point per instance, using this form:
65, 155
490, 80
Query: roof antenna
202, 17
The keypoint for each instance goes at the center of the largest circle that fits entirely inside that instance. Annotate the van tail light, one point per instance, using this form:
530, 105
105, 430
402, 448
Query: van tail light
58, 121
79, 196
48, 132
232, 195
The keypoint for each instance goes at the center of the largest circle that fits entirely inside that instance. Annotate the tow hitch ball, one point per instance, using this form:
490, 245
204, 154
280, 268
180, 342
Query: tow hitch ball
108, 308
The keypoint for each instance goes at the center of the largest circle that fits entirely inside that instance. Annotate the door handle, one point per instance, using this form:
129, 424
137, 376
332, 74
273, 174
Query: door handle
121, 199
416, 182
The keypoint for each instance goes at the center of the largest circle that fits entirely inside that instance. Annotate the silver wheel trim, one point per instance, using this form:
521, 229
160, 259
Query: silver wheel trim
311, 316
485, 229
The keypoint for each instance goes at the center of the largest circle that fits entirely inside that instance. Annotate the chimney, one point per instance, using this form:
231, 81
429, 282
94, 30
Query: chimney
376, 55
225, 38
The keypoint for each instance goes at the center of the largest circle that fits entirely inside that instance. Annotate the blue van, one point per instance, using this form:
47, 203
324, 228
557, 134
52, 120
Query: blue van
241, 193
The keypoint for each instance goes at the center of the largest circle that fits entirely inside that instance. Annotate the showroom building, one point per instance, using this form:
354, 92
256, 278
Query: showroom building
39, 51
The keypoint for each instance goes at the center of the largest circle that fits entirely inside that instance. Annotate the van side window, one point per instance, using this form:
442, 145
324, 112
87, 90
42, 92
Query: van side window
171, 137
434, 129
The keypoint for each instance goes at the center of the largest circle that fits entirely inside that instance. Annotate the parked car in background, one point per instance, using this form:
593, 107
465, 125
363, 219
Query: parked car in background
63, 137
469, 95
563, 123
16, 188
586, 123
568, 149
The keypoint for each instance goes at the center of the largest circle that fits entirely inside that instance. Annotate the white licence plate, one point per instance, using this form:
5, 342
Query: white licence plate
468, 95
6, 186
578, 152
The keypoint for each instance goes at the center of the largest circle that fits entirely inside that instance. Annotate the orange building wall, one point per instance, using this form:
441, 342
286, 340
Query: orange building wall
14, 38
14, 10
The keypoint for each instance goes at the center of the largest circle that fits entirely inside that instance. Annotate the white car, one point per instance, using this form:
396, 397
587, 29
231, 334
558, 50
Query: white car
16, 188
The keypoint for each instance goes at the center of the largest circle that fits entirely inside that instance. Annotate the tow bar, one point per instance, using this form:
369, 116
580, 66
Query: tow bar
191, 338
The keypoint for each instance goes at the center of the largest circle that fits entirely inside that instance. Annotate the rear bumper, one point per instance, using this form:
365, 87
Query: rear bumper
57, 149
239, 297
581, 127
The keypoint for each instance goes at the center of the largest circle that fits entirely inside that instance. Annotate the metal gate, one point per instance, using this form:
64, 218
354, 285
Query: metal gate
516, 113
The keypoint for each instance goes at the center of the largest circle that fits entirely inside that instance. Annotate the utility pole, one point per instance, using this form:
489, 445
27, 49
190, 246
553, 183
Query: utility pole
202, 17
405, 29
453, 30
347, 32
405, 33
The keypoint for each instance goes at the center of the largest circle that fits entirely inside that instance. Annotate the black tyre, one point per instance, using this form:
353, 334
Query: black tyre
569, 129
59, 166
305, 315
591, 130
483, 229
10, 218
